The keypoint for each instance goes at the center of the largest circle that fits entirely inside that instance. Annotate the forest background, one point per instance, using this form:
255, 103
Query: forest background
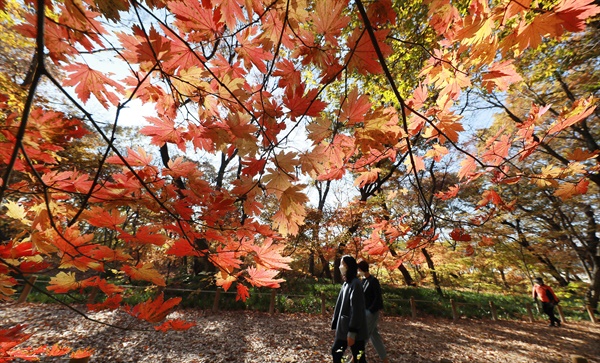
452, 144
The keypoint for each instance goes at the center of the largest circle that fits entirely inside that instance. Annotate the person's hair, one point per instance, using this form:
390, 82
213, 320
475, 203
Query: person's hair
363, 265
351, 267
539, 280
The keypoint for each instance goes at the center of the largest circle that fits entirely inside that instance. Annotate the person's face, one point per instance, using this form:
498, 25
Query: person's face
361, 273
343, 268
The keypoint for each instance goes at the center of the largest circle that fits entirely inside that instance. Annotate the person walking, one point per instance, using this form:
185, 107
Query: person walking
548, 299
349, 318
374, 304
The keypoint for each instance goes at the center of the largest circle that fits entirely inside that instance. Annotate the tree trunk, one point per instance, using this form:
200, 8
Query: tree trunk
311, 264
430, 264
408, 280
325, 266
593, 247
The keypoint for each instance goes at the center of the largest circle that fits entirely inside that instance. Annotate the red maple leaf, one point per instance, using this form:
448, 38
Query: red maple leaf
88, 81
362, 56
301, 104
154, 311
175, 324
163, 130
459, 234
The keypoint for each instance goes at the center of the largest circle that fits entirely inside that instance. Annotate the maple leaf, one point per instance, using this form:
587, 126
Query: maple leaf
242, 292
355, 108
500, 75
146, 235
269, 256
201, 22
459, 234
111, 303
579, 111
175, 324
133, 158
367, 177
57, 350
415, 242
469, 250
99, 217
580, 155
88, 81
154, 311
328, 19
450, 193
251, 51
224, 279
567, 190
163, 131
362, 57
82, 353
490, 196
291, 210
301, 104
6, 290
183, 247
225, 260
468, 166
437, 152
145, 272
486, 241
261, 277
63, 282
573, 13
16, 211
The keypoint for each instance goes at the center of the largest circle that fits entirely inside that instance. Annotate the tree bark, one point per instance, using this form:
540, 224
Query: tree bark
431, 265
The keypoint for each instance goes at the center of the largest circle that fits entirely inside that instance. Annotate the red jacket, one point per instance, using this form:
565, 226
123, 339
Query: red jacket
544, 293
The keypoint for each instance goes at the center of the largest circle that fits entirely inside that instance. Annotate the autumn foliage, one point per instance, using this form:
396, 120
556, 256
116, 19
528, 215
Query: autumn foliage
273, 92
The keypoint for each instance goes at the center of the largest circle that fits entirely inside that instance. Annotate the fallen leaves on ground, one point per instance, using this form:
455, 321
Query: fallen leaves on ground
253, 337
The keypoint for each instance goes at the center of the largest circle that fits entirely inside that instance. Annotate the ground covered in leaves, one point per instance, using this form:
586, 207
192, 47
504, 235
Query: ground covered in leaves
259, 337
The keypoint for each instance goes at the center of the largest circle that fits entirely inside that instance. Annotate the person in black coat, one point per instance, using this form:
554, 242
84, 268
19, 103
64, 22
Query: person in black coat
374, 304
349, 318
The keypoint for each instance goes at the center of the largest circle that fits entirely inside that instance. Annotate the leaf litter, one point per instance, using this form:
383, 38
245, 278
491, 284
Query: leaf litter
253, 337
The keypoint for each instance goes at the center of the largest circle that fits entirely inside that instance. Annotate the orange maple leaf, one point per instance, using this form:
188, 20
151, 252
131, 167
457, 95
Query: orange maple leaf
111, 303
88, 81
261, 277
175, 324
328, 19
500, 75
269, 256
82, 353
154, 311
251, 51
242, 292
145, 272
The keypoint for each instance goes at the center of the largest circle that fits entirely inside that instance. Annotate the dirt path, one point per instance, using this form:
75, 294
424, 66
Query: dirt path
245, 337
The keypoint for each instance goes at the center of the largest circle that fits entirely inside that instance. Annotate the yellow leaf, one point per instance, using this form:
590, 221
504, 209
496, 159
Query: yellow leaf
16, 211
144, 272
63, 282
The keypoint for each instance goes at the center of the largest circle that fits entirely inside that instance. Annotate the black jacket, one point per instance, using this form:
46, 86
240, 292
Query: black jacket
373, 299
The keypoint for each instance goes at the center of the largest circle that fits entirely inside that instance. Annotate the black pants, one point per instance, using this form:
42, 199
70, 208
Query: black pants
548, 309
358, 350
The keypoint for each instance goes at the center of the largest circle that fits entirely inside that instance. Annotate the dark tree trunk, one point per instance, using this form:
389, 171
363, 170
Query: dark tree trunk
431, 265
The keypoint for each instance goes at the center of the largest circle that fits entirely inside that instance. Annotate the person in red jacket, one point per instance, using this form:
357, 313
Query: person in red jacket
548, 299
